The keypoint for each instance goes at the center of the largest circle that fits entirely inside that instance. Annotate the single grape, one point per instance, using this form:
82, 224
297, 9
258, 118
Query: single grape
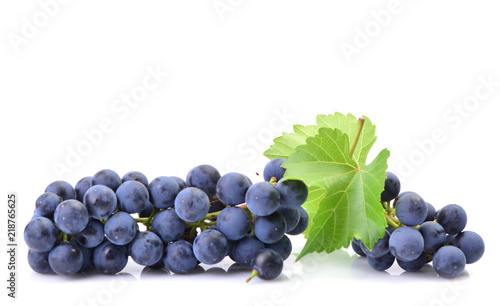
163, 191
210, 246
413, 265
273, 169
406, 243
46, 204
108, 178
82, 186
204, 177
433, 234
132, 197
411, 209
431, 212
233, 222
192, 204
146, 248
39, 262
66, 259
92, 235
62, 189
392, 186
244, 250
355, 243
71, 217
282, 247
293, 193
262, 199
379, 249
381, 263
453, 218
147, 211
135, 176
267, 264
168, 226
179, 257
110, 258
232, 187
292, 217
402, 194
88, 254
449, 262
471, 244
182, 183
100, 201
120, 228
303, 223
270, 229
40, 234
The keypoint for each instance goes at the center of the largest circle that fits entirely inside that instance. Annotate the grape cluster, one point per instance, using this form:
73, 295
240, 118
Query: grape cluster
418, 234
200, 220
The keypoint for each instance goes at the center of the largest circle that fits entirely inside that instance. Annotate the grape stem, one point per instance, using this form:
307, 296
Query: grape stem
254, 274
354, 142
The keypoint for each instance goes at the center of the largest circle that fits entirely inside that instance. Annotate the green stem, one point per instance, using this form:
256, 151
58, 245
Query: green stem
212, 215
65, 237
354, 141
254, 274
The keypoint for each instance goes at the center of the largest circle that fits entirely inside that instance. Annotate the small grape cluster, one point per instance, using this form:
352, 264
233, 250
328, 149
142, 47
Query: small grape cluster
418, 234
200, 220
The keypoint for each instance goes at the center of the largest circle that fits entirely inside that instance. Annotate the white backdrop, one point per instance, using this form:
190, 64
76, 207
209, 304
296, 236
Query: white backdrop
162, 86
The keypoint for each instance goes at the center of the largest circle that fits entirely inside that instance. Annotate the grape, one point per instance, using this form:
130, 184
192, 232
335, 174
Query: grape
449, 262
471, 244
163, 191
216, 205
355, 243
244, 250
147, 211
270, 229
406, 243
110, 258
411, 209
431, 212
381, 263
379, 249
82, 186
210, 246
66, 259
392, 187
262, 198
88, 254
273, 169
62, 189
192, 204
92, 235
146, 248
120, 228
204, 177
132, 197
39, 262
46, 204
232, 187
182, 183
434, 236
100, 201
453, 218
293, 193
108, 178
303, 223
40, 234
233, 222
414, 265
449, 238
282, 247
167, 225
135, 176
179, 257
71, 217
402, 194
267, 264
292, 217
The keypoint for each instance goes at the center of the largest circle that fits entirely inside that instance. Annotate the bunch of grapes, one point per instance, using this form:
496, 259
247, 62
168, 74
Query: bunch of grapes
418, 234
200, 220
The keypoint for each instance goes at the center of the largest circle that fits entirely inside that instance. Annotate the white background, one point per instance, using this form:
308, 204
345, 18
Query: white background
239, 74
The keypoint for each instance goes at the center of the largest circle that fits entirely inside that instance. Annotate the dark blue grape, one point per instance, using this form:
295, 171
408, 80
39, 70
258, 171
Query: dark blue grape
216, 205
179, 257
406, 243
146, 248
433, 234
303, 223
71, 217
411, 209
46, 204
449, 262
66, 259
267, 264
270, 229
120, 228
449, 238
355, 243
471, 244
293, 193
204, 177
262, 199
167, 225
62, 189
273, 169
135, 176
292, 217
381, 263
381, 247
453, 218
100, 201
82, 186
244, 250
431, 212
192, 204
180, 182
108, 178
392, 187
210, 246
92, 235
132, 197
414, 265
40, 234
282, 247
147, 211
39, 262
232, 187
110, 258
88, 254
163, 191
233, 222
